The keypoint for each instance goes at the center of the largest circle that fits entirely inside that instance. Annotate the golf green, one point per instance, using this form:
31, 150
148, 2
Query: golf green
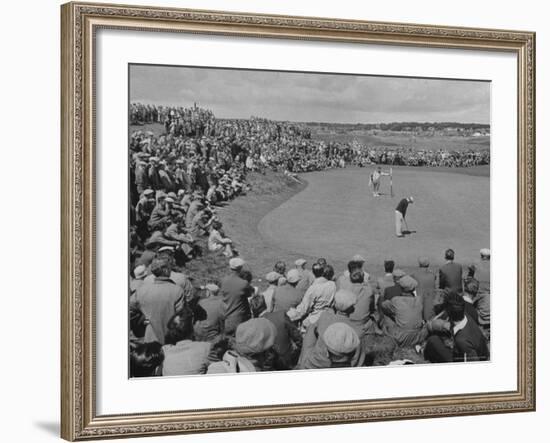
336, 216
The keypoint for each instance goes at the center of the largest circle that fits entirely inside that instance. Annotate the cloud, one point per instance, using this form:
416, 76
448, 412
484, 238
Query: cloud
233, 93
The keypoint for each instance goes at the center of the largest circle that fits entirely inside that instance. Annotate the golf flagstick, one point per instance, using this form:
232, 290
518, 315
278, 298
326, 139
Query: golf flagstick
391, 182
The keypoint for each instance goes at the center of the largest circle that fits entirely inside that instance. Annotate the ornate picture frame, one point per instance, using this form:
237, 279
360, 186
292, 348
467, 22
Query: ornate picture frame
80, 22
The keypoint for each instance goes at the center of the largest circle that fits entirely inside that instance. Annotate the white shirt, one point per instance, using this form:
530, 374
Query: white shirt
460, 325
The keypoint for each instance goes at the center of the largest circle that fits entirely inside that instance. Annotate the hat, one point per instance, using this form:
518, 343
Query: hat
140, 272
358, 258
272, 277
398, 273
300, 262
212, 288
154, 159
408, 283
254, 336
293, 276
181, 191
340, 338
172, 195
161, 194
148, 192
423, 262
166, 248
485, 252
344, 299
411, 199
169, 200
236, 263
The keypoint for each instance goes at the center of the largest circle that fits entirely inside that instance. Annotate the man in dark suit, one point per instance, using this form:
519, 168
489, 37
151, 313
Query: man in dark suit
450, 274
235, 292
469, 344
426, 287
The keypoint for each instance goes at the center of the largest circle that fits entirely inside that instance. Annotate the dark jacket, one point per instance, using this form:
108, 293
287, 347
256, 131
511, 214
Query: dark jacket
235, 292
426, 289
470, 344
450, 277
288, 340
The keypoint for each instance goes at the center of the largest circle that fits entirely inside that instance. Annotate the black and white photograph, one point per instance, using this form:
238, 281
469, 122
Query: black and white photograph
284, 220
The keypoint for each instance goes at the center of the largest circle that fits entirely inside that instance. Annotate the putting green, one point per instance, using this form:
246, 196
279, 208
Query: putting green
336, 216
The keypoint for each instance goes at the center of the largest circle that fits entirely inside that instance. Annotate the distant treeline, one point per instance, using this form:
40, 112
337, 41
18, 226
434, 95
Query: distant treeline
401, 126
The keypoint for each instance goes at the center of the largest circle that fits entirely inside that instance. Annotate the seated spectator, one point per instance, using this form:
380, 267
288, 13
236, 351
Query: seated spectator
146, 360
403, 315
140, 272
306, 276
468, 342
287, 296
182, 355
338, 346
318, 297
217, 242
253, 349
356, 263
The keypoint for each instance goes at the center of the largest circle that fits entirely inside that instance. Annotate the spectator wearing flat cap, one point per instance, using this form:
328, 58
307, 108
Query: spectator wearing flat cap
426, 287
403, 315
272, 279
306, 276
450, 274
287, 296
140, 272
396, 289
158, 301
252, 351
337, 346
209, 314
235, 292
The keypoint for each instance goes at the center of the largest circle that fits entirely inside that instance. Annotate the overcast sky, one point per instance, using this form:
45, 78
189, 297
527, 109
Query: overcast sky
232, 93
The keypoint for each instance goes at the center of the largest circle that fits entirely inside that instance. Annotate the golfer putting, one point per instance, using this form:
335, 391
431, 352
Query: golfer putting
400, 214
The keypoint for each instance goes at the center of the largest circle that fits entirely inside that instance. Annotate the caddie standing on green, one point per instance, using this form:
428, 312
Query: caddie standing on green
375, 181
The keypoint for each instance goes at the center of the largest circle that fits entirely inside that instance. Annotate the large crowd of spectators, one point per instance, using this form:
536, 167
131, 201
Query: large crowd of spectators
307, 317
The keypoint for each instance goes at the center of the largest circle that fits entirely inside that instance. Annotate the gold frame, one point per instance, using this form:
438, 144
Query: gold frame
79, 21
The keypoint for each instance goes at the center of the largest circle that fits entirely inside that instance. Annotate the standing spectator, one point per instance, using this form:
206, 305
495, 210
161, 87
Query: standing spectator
158, 301
272, 279
426, 287
450, 274
209, 314
235, 292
